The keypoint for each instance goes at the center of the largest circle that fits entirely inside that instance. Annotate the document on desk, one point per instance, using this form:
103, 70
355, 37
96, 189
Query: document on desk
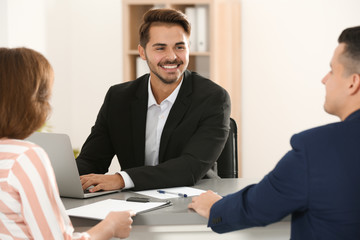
175, 192
100, 209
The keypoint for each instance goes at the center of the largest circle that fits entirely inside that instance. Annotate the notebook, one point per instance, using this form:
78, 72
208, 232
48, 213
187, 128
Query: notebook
59, 149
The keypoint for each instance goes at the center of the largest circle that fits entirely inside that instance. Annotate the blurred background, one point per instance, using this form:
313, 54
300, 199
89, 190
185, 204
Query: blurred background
286, 47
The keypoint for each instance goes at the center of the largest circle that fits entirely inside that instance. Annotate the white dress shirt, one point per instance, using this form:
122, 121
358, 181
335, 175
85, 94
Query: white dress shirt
157, 115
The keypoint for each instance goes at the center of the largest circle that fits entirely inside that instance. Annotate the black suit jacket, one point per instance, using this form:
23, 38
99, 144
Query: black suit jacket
192, 139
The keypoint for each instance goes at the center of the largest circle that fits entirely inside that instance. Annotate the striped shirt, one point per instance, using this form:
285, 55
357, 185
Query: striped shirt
30, 206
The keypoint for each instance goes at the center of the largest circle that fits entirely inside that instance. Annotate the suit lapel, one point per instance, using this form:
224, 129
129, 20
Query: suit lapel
139, 112
176, 114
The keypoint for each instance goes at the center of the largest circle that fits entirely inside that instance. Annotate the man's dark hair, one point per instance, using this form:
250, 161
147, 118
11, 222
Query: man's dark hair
351, 38
162, 16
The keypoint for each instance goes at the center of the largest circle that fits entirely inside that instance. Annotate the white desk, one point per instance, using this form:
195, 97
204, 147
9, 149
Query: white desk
177, 222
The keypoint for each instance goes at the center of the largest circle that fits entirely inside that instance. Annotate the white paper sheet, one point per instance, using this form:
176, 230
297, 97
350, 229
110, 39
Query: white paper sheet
100, 209
189, 191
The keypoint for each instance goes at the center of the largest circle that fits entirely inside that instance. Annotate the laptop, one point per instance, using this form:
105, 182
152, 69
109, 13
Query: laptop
59, 149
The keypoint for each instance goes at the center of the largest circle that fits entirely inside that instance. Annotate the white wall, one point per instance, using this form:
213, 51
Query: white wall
85, 46
3, 23
25, 23
286, 45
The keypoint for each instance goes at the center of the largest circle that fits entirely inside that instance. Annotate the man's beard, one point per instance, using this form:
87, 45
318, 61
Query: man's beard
176, 62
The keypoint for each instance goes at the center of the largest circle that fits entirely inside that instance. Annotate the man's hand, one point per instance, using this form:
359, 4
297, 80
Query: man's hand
102, 182
203, 203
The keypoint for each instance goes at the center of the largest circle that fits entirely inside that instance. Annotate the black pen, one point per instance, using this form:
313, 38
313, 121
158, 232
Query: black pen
178, 194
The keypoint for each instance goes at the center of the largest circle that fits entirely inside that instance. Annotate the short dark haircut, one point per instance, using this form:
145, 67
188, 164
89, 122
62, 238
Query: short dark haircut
351, 38
25, 86
162, 16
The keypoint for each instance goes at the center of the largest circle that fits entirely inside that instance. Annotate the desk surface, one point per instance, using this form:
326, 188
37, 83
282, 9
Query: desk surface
177, 214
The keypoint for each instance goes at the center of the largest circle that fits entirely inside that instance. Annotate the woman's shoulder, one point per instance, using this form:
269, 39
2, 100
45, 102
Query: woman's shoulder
15, 148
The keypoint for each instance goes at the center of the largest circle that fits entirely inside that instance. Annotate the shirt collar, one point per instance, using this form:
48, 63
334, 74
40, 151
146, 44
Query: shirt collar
171, 98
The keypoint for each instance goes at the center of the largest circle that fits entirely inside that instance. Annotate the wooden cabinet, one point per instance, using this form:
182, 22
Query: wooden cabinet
221, 62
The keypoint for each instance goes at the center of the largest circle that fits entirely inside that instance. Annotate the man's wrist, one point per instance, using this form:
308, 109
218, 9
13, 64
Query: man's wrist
121, 179
128, 183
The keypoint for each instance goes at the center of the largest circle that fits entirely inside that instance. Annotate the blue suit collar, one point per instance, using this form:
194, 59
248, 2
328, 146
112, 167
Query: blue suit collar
353, 116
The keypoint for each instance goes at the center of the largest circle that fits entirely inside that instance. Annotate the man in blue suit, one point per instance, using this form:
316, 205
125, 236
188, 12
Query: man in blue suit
318, 181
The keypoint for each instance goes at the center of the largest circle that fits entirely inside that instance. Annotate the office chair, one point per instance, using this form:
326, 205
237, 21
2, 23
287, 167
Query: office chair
227, 164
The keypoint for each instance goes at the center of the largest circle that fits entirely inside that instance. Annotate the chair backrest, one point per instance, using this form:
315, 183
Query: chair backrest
227, 163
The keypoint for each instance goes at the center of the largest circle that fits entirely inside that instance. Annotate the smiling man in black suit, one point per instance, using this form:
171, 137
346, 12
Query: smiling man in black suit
167, 128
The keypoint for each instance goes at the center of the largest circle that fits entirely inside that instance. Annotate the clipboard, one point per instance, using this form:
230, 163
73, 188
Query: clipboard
99, 210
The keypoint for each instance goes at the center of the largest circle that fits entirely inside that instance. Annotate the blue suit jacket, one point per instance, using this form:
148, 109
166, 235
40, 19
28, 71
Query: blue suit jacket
318, 182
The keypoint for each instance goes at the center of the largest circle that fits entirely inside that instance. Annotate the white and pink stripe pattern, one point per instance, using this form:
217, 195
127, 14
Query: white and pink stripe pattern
30, 206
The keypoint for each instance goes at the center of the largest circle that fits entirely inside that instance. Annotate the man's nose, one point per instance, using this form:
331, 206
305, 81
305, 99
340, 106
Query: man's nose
323, 81
171, 55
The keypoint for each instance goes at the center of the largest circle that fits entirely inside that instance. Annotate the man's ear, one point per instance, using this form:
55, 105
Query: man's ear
354, 83
141, 52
